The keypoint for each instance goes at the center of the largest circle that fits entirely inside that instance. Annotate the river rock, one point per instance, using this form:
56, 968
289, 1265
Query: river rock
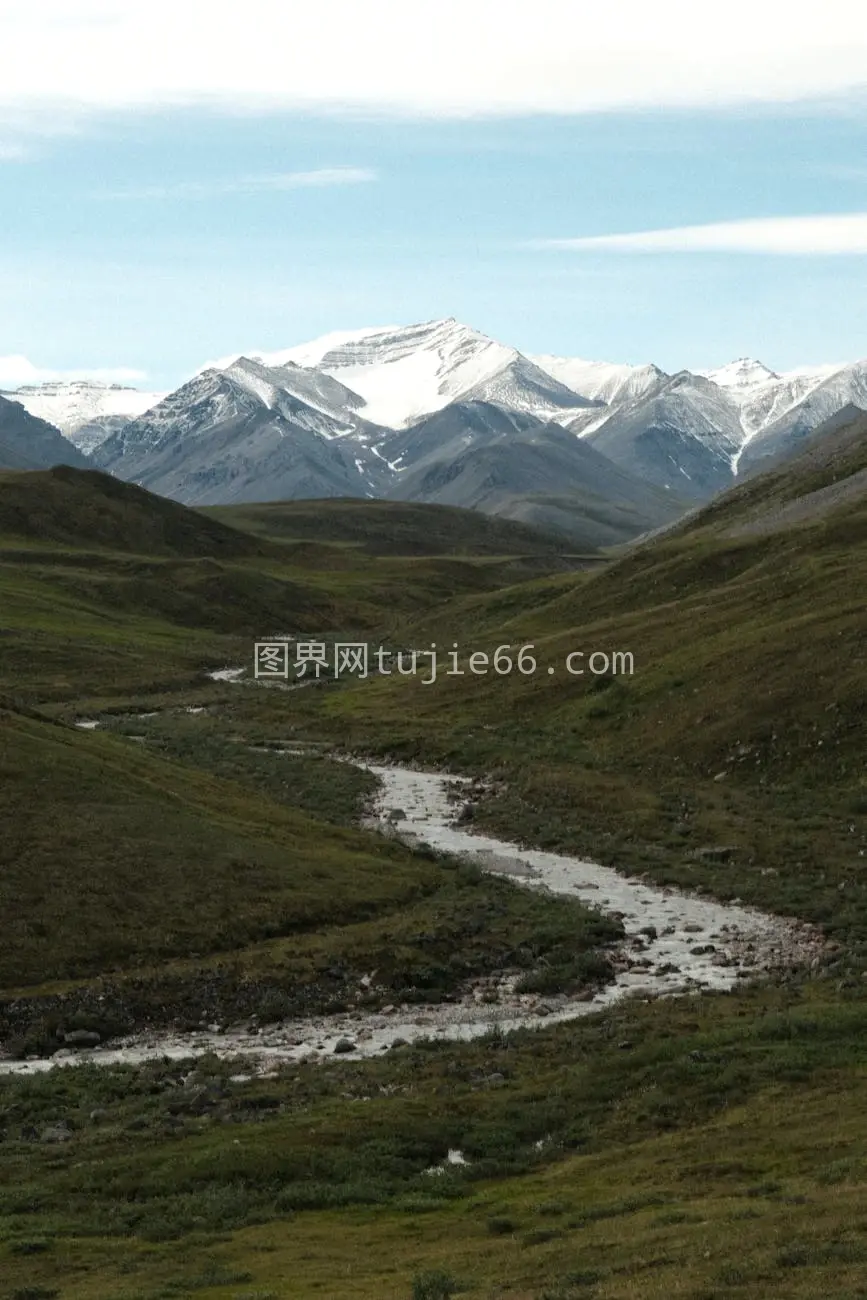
82, 1038
59, 1132
344, 1045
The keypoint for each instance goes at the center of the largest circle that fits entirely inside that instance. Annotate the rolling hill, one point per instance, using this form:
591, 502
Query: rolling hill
741, 724
390, 528
84, 508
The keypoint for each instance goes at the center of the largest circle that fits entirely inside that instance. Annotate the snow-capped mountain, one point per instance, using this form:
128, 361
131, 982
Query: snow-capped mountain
253, 432
682, 435
742, 377
763, 396
296, 389
822, 393
400, 375
406, 372
245, 434
602, 381
84, 411
746, 404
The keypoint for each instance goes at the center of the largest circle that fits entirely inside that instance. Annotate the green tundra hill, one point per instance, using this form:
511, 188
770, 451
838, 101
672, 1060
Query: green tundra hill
86, 508
392, 527
742, 723
107, 588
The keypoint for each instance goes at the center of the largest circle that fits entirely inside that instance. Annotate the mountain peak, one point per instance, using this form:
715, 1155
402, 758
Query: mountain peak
745, 372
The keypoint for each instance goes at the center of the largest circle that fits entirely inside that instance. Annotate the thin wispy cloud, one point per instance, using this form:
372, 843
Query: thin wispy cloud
18, 371
12, 152
276, 182
781, 236
480, 57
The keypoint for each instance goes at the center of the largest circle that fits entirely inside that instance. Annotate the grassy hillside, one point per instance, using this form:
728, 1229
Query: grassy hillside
741, 726
708, 1147
390, 527
106, 588
85, 508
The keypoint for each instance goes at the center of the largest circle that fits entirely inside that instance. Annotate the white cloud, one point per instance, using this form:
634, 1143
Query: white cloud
11, 152
322, 177
17, 371
784, 236
458, 57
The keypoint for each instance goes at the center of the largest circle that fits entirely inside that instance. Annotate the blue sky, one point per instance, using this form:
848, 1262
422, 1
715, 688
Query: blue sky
152, 236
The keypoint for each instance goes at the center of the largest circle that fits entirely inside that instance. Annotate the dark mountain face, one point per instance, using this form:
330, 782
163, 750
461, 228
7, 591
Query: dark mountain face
30, 443
453, 430
545, 476
682, 436
226, 437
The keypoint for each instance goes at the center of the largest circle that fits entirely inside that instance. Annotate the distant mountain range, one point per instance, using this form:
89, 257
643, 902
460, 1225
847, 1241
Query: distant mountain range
439, 412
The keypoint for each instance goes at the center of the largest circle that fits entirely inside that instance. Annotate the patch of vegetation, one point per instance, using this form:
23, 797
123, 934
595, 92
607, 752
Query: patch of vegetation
206, 1154
730, 760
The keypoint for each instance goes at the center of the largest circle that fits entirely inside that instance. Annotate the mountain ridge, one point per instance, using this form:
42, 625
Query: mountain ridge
386, 412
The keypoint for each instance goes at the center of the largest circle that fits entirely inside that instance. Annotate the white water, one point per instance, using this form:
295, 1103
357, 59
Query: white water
744, 942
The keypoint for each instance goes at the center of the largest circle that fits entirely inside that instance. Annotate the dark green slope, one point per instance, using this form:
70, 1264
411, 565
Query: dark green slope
391, 527
105, 587
86, 508
742, 725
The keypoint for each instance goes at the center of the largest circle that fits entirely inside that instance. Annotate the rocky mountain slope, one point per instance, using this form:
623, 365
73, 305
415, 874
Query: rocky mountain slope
246, 434
541, 474
84, 410
683, 435
27, 442
784, 431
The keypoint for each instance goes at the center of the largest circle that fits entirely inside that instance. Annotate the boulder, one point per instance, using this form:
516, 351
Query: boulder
59, 1132
82, 1038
